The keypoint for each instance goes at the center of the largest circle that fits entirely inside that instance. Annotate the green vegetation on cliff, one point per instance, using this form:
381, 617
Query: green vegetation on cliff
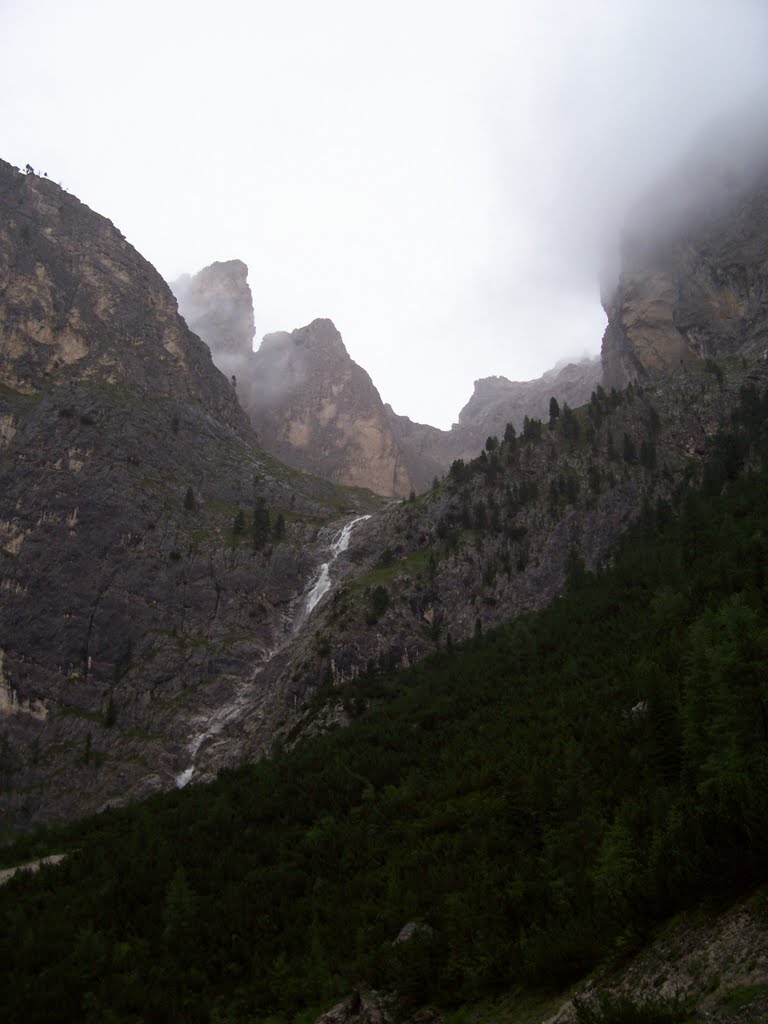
537, 797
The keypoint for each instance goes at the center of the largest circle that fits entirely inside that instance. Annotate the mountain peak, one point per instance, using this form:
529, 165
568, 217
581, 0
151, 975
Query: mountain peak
218, 306
102, 316
316, 409
321, 335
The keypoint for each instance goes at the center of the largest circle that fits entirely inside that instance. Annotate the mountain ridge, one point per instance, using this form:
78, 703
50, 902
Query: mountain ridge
316, 409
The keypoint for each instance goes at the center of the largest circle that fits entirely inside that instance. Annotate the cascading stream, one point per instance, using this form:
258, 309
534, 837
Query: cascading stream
232, 711
215, 724
322, 583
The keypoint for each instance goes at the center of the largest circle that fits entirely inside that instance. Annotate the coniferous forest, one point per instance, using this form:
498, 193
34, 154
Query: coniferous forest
536, 797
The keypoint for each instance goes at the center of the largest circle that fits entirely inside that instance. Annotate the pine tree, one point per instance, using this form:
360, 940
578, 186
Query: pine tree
279, 527
260, 528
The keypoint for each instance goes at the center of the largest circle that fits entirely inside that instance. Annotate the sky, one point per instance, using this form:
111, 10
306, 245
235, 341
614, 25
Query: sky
444, 180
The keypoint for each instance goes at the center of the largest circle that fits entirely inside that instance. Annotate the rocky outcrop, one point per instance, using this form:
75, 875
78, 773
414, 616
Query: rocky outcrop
694, 278
708, 964
317, 410
364, 1006
495, 402
218, 306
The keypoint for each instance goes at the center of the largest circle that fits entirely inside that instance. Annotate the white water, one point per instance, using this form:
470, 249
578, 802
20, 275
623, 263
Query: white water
322, 583
321, 586
213, 725
231, 711
183, 777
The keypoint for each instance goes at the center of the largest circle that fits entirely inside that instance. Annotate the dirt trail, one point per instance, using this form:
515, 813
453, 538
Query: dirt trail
6, 874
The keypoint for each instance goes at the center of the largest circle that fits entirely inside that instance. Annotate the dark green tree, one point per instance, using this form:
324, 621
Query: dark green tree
260, 528
110, 715
378, 602
629, 450
178, 909
570, 423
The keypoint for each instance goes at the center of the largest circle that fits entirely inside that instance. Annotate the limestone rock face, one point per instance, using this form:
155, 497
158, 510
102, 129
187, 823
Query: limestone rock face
427, 450
317, 410
218, 306
693, 288
497, 401
79, 301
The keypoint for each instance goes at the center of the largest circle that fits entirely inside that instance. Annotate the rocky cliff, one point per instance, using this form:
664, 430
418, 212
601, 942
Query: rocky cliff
218, 306
694, 271
313, 407
316, 409
80, 305
497, 401
152, 557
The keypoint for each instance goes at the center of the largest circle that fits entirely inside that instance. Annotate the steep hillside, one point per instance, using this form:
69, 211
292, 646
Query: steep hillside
151, 555
502, 818
495, 538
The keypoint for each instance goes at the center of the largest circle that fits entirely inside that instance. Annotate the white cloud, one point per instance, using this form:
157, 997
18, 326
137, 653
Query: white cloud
438, 178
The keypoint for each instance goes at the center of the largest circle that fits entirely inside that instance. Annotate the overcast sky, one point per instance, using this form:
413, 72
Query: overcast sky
438, 178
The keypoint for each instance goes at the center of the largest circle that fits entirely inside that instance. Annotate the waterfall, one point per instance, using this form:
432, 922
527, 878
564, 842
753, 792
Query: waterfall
233, 710
322, 582
216, 723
